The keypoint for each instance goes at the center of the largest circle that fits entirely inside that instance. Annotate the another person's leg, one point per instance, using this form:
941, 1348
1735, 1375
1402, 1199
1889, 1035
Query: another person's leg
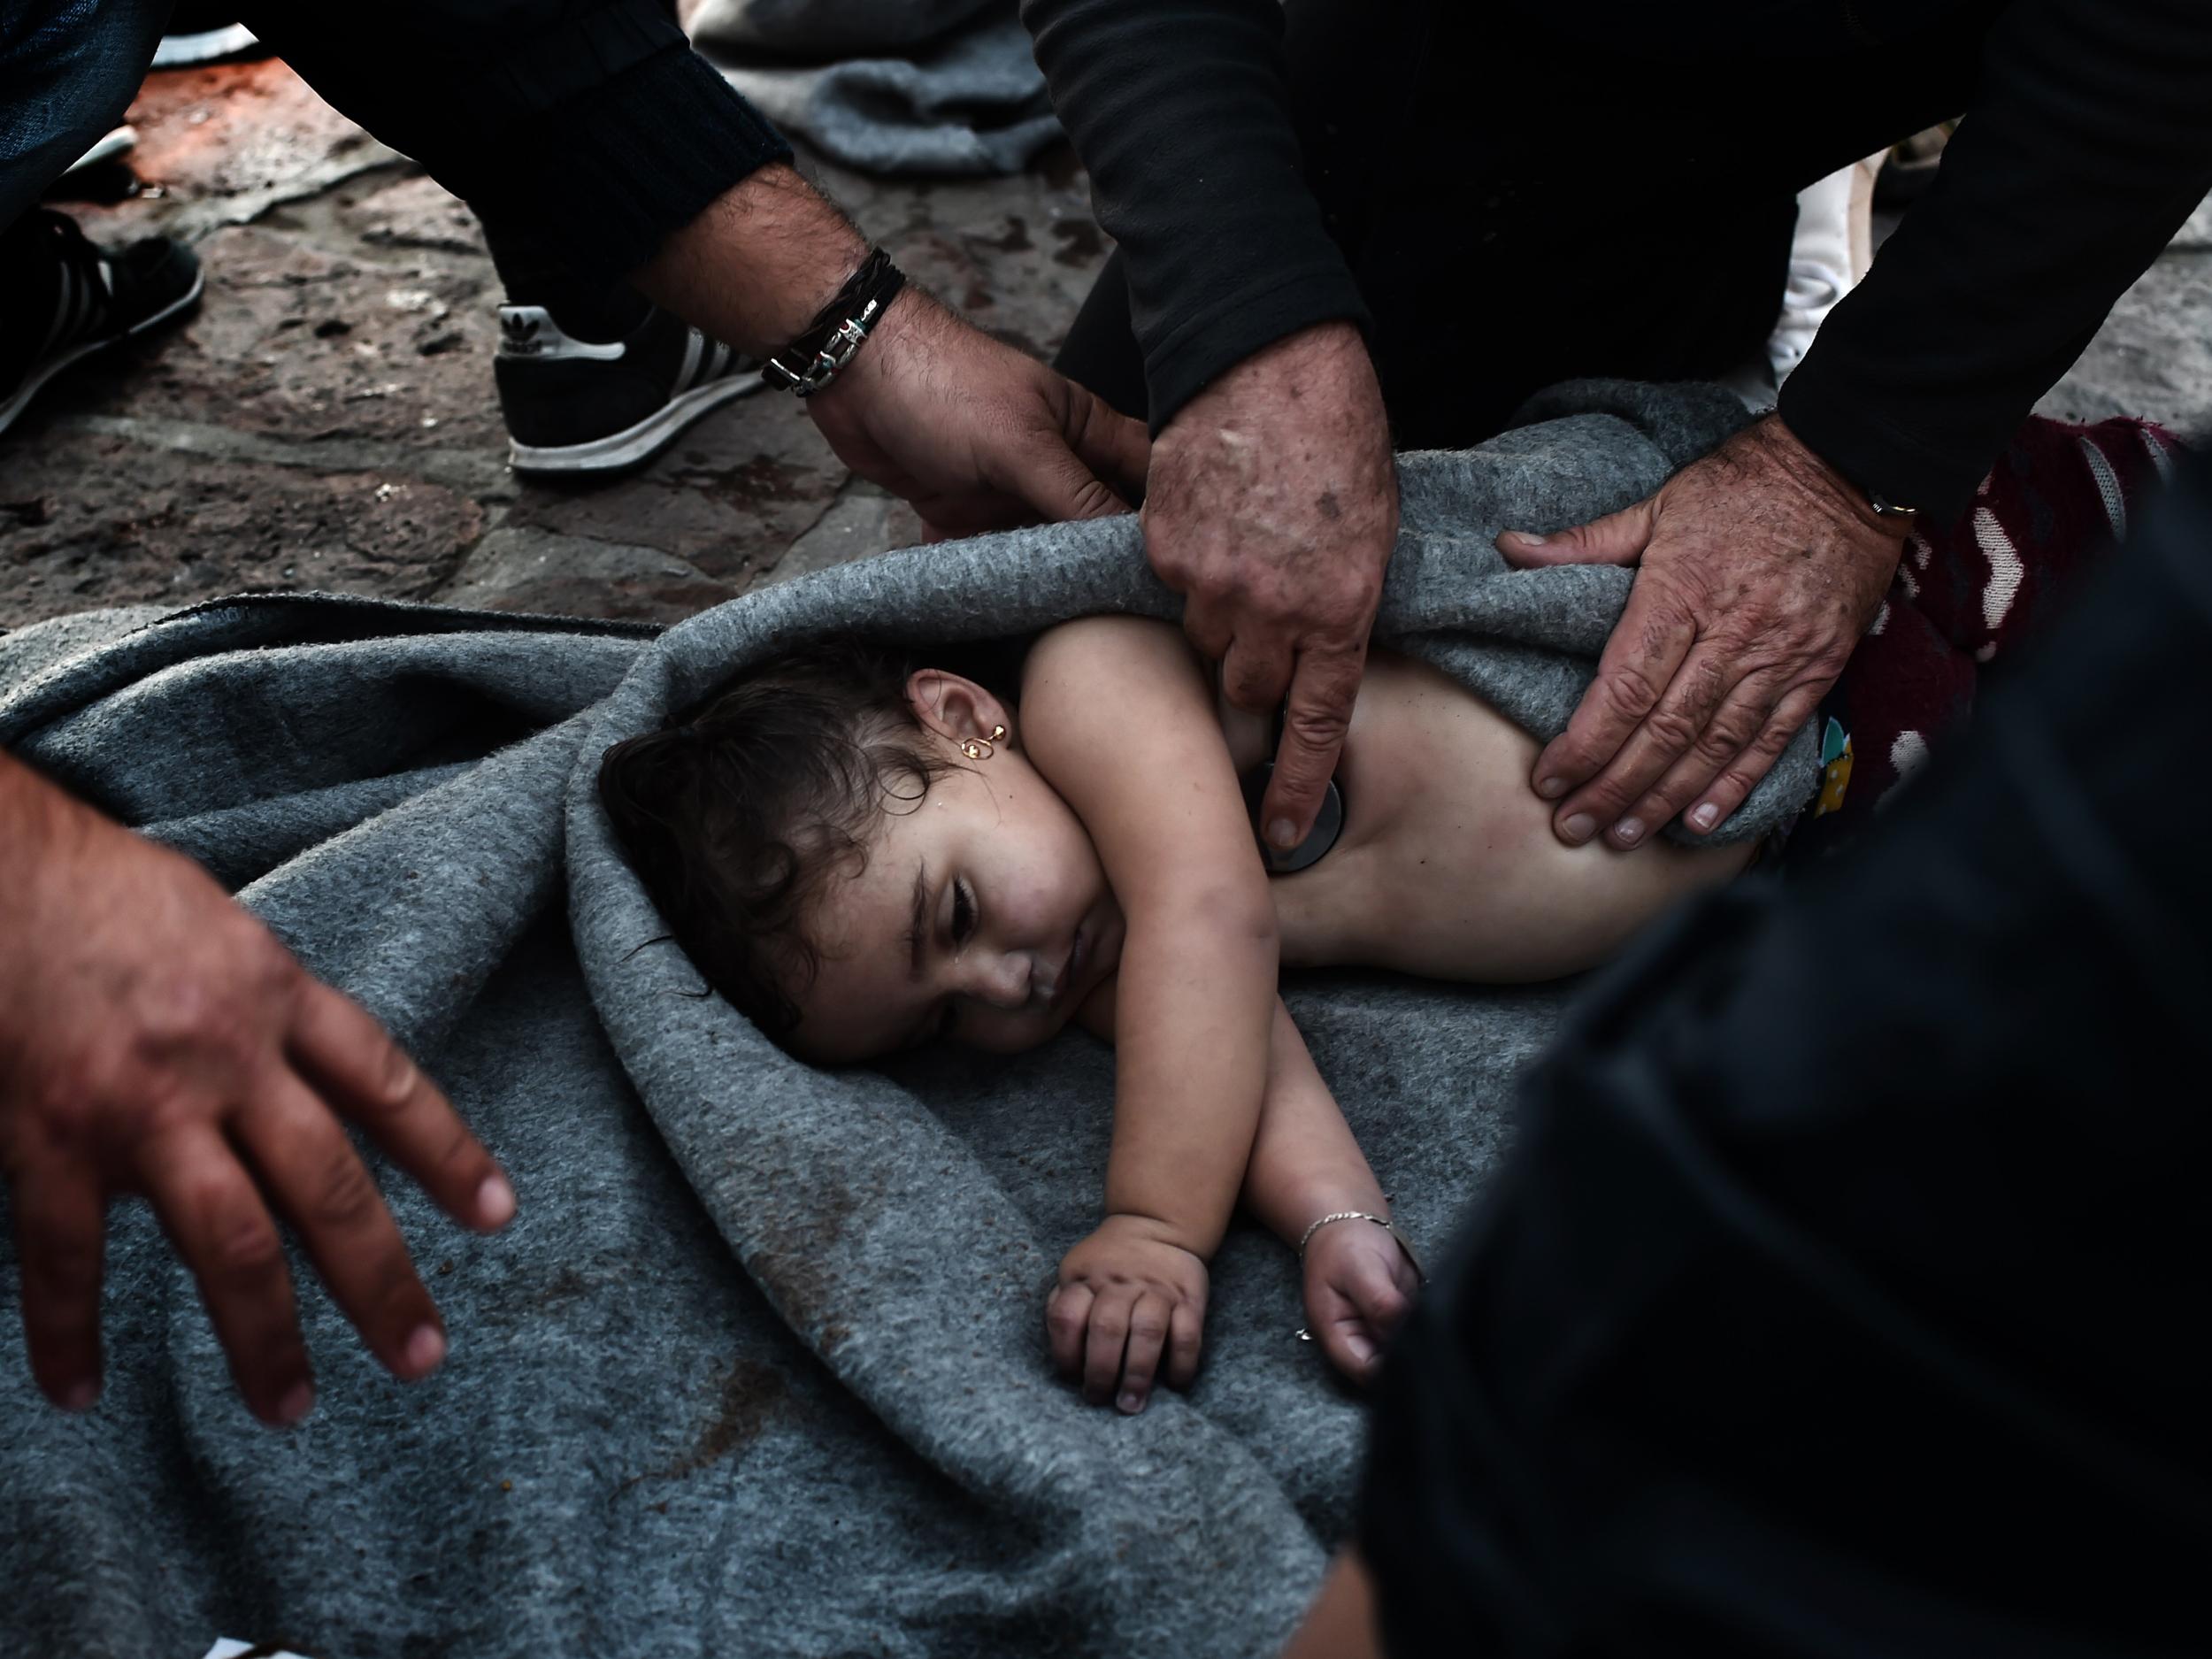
68, 71
67, 74
594, 378
1101, 349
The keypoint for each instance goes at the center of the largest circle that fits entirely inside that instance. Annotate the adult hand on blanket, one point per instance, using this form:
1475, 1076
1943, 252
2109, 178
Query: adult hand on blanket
1358, 1284
1125, 1299
976, 435
1271, 505
1761, 570
155, 1039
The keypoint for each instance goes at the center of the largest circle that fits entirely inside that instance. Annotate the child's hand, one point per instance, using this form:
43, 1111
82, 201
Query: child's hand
1125, 1294
1359, 1284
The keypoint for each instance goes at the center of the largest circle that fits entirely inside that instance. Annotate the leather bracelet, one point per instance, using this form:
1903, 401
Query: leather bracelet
839, 329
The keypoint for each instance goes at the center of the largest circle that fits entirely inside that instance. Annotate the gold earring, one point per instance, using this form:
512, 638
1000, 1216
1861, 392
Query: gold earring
983, 748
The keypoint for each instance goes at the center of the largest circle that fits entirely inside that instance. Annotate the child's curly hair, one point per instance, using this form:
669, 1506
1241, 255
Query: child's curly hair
734, 818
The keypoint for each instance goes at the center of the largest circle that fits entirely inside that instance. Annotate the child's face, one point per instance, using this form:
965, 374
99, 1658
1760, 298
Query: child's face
982, 915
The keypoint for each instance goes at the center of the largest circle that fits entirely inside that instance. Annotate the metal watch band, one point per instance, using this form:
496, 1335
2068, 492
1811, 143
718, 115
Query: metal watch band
820, 355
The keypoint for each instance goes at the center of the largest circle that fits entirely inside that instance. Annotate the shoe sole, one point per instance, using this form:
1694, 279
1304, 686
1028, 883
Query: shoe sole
120, 142
633, 445
29, 390
186, 51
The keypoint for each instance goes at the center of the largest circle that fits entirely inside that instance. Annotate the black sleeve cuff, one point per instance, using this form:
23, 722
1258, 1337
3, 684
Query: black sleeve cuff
1852, 435
1209, 345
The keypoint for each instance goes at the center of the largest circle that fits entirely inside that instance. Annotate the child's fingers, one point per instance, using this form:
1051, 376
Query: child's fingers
1349, 1346
1147, 1336
1067, 1321
1110, 1336
1375, 1291
1186, 1336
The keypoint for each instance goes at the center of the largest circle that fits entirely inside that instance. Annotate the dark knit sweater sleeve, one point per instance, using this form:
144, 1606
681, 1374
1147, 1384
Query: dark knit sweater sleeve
1179, 111
592, 123
2088, 145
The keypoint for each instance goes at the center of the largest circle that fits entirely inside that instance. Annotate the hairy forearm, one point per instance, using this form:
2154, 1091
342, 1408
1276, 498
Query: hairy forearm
1305, 1164
758, 265
1192, 1039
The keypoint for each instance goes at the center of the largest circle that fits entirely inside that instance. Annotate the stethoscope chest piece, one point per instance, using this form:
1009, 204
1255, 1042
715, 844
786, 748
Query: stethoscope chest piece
1326, 826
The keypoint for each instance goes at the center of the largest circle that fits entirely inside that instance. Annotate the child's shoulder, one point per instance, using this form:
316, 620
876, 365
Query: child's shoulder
1111, 635
1103, 657
1131, 687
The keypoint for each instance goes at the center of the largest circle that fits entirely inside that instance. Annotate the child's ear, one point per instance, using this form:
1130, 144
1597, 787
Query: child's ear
954, 708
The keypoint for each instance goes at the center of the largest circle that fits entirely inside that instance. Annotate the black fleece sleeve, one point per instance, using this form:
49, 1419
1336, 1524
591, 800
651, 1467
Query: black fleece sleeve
2088, 144
1832, 1300
1178, 109
592, 122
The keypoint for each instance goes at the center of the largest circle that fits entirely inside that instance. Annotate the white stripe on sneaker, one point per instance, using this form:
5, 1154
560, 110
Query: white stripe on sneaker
686, 375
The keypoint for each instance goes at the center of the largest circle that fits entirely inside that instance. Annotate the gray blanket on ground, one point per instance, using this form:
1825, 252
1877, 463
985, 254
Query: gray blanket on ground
929, 87
759, 1368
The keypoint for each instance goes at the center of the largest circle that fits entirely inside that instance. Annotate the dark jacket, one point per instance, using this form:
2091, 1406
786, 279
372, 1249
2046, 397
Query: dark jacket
2087, 141
590, 123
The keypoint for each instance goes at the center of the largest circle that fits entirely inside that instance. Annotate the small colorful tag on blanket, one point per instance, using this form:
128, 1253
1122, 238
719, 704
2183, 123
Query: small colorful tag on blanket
1835, 768
231, 1648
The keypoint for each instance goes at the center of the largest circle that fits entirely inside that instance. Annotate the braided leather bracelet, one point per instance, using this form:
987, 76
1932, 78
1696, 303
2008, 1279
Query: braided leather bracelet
839, 329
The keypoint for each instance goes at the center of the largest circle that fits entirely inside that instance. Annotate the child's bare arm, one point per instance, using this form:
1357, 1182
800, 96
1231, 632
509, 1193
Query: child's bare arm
1120, 720
1306, 1164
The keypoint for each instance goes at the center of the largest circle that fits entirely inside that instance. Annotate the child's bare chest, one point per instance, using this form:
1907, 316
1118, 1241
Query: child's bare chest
1447, 865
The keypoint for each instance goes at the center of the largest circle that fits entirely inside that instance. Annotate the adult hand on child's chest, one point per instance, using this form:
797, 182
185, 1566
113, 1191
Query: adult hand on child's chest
1760, 570
1271, 505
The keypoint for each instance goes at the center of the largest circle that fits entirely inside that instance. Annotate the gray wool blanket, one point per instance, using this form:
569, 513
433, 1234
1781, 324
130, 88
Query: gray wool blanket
759, 1368
943, 87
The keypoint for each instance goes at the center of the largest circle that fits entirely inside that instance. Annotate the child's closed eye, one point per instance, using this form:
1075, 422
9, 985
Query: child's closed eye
964, 915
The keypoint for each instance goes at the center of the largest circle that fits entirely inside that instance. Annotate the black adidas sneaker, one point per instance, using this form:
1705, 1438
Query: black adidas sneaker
574, 408
62, 298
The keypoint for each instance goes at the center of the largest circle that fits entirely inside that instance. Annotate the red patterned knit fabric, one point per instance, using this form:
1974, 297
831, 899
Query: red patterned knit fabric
1970, 595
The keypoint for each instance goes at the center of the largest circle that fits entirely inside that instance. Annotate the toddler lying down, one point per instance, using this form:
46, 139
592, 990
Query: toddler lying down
865, 850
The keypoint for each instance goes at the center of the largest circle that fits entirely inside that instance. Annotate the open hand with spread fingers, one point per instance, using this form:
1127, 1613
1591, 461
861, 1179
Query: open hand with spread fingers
155, 1039
1760, 568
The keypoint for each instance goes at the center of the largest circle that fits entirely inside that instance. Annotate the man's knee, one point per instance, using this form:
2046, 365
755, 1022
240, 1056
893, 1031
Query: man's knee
68, 71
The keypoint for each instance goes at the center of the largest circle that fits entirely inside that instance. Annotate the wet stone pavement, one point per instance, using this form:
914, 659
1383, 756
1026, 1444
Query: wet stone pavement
326, 421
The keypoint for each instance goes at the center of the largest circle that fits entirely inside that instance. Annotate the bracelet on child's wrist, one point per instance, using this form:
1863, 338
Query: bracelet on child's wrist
1383, 1222
1305, 1238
